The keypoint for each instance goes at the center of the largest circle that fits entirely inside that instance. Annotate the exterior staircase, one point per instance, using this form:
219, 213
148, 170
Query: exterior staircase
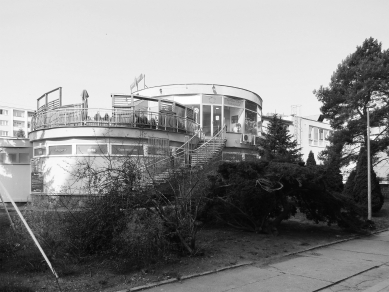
188, 157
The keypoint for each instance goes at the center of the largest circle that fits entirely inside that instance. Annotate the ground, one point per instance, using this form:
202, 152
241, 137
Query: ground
220, 247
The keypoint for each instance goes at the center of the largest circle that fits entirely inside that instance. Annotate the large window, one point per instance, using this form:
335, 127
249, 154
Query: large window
18, 156
3, 123
251, 118
19, 124
3, 133
3, 112
233, 114
92, 149
318, 136
19, 114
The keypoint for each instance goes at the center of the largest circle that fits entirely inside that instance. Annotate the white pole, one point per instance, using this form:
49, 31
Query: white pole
368, 168
4, 190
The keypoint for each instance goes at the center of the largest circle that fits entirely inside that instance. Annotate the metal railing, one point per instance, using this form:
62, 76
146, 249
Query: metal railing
179, 158
124, 118
187, 155
208, 149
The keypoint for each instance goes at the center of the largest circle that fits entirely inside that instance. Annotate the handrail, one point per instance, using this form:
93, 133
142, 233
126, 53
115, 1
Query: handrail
185, 156
207, 150
220, 133
182, 147
127, 118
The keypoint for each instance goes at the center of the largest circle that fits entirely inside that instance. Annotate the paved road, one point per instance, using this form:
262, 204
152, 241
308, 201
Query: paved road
355, 265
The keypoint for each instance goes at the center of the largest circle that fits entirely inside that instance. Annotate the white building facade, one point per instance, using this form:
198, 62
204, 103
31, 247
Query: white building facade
13, 119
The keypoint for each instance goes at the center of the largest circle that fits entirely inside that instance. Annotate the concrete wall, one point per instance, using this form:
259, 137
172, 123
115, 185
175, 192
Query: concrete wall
15, 174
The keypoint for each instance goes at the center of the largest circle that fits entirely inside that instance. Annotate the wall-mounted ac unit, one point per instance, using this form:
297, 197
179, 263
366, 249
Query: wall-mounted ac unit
248, 138
245, 138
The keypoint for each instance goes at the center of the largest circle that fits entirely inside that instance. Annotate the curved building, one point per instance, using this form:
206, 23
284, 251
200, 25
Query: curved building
215, 106
180, 125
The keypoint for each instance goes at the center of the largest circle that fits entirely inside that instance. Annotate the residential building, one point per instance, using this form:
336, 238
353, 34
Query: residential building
14, 119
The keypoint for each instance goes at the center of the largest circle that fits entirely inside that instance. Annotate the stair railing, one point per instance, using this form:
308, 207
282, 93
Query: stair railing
179, 158
207, 150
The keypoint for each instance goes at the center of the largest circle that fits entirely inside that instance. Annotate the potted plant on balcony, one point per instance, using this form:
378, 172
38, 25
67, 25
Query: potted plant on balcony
237, 128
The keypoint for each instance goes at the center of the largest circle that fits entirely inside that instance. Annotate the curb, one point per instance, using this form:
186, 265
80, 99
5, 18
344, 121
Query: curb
155, 284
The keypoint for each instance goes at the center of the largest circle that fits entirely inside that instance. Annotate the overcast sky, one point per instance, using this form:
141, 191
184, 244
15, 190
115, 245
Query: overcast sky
282, 50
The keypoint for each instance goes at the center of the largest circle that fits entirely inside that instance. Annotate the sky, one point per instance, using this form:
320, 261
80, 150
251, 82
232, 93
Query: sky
281, 50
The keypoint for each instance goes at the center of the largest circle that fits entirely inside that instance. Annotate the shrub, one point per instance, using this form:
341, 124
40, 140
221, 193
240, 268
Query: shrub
356, 186
311, 159
258, 196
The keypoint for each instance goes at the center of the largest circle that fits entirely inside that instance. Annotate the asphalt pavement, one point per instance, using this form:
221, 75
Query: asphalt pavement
361, 264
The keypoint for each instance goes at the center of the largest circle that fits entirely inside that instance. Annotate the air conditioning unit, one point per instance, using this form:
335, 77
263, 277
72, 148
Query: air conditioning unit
248, 138
245, 138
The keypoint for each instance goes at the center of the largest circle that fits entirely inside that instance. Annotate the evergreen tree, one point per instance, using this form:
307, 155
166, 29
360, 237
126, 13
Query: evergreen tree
278, 144
356, 186
360, 82
311, 159
333, 177
20, 134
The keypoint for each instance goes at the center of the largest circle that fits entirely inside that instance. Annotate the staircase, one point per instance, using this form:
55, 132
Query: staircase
207, 150
186, 159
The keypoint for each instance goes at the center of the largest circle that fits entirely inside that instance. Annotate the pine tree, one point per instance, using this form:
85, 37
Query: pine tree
278, 144
311, 159
360, 83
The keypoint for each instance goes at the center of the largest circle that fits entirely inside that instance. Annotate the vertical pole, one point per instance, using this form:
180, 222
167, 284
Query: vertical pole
60, 96
368, 168
29, 231
6, 210
133, 110
46, 100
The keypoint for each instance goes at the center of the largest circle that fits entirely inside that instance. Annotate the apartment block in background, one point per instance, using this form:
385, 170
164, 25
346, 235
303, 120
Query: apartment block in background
13, 119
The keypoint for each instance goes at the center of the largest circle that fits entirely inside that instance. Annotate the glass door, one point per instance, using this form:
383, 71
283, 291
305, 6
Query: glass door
207, 120
216, 119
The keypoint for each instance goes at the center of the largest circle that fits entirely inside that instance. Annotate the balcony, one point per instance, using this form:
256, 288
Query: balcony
112, 118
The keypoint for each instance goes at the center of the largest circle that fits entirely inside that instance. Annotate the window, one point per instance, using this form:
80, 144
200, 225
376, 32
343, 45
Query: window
60, 150
24, 158
19, 124
250, 125
39, 151
128, 149
19, 114
12, 158
3, 123
3, 112
30, 114
3, 133
92, 149
321, 137
318, 136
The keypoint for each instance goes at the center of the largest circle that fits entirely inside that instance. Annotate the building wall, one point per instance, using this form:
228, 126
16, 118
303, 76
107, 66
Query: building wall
15, 176
12, 119
59, 152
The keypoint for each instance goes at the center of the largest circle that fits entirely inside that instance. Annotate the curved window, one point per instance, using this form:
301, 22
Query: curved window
60, 150
92, 149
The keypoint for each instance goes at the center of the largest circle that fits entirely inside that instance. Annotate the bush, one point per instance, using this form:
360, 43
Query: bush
258, 196
357, 185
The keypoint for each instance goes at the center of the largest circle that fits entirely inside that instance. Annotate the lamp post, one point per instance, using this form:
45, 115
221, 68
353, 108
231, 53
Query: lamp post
368, 169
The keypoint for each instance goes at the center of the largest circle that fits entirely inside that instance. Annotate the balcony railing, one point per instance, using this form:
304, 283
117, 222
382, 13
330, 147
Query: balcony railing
120, 118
